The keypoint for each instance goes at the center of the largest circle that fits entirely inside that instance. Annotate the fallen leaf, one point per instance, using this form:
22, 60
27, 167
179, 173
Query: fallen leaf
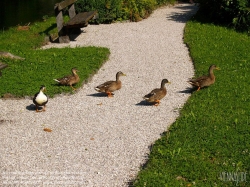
47, 130
180, 178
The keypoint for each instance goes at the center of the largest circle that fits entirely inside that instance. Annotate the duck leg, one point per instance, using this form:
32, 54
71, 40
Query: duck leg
157, 102
109, 94
72, 87
44, 108
37, 109
198, 88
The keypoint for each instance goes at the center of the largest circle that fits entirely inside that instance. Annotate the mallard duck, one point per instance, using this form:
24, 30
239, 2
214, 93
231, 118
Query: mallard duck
157, 94
205, 80
69, 80
111, 86
40, 99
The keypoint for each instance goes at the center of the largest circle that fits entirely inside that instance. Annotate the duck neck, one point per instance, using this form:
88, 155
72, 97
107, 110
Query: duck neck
211, 73
117, 78
163, 85
74, 73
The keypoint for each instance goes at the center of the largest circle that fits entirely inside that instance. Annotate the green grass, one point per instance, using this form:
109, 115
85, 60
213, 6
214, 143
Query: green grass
40, 67
212, 134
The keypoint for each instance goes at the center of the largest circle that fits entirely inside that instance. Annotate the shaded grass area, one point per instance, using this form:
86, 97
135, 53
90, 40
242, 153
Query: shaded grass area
40, 67
211, 138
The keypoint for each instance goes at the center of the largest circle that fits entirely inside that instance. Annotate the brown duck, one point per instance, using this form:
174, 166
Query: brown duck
111, 86
157, 94
205, 80
69, 80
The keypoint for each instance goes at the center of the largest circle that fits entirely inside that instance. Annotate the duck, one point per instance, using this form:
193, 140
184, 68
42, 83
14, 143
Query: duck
157, 94
40, 99
205, 80
110, 86
69, 80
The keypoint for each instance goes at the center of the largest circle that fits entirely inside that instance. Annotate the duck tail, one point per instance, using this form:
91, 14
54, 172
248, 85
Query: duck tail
56, 80
97, 89
146, 97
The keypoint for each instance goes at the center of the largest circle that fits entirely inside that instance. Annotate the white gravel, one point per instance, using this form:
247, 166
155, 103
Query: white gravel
94, 145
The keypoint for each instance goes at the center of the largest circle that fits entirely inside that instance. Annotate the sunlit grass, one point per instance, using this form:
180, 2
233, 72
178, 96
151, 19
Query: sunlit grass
212, 134
40, 67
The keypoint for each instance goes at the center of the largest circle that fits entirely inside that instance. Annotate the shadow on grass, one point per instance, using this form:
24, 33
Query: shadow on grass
198, 15
52, 27
72, 34
57, 84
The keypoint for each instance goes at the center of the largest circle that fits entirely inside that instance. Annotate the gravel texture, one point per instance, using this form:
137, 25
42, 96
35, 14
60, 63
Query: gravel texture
99, 141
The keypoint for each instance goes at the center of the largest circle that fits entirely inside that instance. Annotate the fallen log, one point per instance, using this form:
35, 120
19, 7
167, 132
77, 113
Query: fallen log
2, 65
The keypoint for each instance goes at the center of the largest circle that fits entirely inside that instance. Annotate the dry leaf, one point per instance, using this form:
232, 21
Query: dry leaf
180, 178
47, 130
23, 28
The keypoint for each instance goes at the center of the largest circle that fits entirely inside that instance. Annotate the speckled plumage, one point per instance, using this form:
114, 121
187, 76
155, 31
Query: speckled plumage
69, 80
205, 80
157, 94
111, 86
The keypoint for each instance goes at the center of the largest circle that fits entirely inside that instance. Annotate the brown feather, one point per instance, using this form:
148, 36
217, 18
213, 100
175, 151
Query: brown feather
157, 94
69, 80
111, 86
205, 80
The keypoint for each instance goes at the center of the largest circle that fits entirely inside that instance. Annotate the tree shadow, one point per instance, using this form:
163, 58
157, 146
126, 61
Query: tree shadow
186, 13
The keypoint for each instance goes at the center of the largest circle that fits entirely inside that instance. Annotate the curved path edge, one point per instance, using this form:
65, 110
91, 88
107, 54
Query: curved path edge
99, 141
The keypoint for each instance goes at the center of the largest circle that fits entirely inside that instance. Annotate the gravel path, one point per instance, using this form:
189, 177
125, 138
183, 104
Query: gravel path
101, 145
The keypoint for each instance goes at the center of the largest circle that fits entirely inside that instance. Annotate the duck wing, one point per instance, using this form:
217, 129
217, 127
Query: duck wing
152, 94
64, 80
198, 81
107, 86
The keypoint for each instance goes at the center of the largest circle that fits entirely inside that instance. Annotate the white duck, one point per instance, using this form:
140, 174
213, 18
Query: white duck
40, 99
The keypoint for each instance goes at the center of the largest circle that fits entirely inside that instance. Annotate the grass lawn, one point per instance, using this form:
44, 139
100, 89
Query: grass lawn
40, 67
209, 144
210, 140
